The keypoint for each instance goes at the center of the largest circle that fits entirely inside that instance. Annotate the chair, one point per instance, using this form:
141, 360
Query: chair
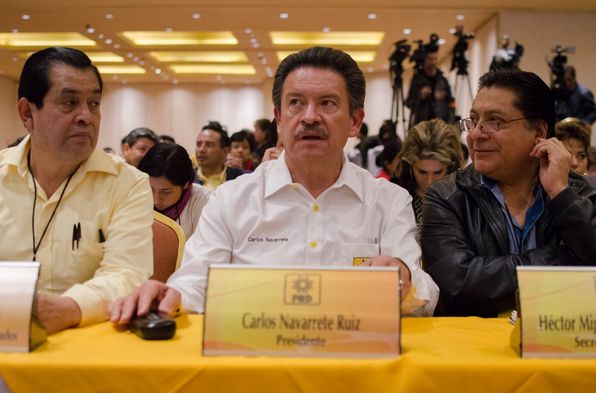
168, 246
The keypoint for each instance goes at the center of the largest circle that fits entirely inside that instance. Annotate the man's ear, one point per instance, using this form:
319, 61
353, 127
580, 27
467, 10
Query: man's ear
226, 150
277, 117
357, 119
125, 150
26, 113
541, 129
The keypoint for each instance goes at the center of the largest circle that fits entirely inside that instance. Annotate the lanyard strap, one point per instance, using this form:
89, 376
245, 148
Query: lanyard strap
35, 248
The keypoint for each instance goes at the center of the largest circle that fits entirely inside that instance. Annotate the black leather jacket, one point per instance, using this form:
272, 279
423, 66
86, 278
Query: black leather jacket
465, 245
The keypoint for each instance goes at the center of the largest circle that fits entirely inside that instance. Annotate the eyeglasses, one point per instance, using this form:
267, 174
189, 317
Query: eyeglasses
488, 126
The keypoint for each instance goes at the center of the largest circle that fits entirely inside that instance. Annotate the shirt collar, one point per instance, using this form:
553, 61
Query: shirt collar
204, 179
280, 177
98, 161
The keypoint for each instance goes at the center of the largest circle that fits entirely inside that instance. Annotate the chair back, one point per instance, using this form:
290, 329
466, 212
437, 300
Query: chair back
168, 246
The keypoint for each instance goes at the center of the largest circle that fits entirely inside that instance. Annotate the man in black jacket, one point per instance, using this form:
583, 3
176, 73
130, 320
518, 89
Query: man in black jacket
518, 204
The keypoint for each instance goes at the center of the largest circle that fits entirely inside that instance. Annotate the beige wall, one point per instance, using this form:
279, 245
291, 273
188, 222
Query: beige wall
10, 125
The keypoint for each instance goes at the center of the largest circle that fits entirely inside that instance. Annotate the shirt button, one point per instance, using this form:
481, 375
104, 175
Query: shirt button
316, 208
293, 186
313, 244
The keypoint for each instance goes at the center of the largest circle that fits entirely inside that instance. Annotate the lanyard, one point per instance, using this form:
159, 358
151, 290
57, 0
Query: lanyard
35, 248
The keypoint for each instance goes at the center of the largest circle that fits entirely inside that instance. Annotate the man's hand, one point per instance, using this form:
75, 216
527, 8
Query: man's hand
404, 272
271, 154
58, 313
555, 163
425, 92
152, 294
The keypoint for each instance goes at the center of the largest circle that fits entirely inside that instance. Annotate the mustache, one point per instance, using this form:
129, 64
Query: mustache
310, 129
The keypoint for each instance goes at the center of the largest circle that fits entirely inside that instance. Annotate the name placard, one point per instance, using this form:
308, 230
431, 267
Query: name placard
557, 312
19, 332
305, 312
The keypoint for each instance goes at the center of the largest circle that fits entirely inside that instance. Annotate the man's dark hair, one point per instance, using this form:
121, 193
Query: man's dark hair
244, 136
388, 132
323, 58
166, 138
263, 124
570, 69
35, 77
533, 97
364, 130
138, 133
169, 160
224, 139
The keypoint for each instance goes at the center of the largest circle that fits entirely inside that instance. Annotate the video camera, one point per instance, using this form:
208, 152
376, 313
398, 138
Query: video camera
420, 54
459, 51
402, 50
557, 67
507, 58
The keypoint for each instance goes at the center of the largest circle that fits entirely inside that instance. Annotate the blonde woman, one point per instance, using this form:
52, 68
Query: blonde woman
431, 151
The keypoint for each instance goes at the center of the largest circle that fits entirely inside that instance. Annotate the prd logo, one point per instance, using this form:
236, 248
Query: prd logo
302, 289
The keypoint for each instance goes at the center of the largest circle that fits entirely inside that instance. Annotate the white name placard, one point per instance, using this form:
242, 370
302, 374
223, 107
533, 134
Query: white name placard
17, 291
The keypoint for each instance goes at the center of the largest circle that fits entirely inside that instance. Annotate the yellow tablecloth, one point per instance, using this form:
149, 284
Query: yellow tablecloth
439, 355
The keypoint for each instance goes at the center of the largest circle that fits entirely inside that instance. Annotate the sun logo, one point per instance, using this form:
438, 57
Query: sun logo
302, 289
302, 284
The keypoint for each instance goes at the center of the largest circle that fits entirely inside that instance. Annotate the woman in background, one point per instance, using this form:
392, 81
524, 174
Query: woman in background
575, 135
242, 145
171, 177
430, 152
388, 160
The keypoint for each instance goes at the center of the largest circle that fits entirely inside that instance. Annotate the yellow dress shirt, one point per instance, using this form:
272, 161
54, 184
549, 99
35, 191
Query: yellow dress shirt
104, 193
212, 182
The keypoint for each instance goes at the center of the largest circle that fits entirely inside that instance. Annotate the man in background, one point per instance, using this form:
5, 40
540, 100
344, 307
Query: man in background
213, 146
137, 143
84, 215
579, 100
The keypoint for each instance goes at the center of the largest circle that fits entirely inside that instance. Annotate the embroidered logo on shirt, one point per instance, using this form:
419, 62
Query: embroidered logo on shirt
302, 289
252, 239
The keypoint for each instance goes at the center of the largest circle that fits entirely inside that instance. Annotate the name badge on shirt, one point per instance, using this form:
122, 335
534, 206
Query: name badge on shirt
302, 311
557, 312
20, 330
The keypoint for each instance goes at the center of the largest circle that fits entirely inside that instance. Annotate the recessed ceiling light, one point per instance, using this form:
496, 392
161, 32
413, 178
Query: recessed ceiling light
129, 55
108, 41
120, 69
109, 16
361, 38
116, 46
255, 45
196, 16
326, 29
169, 30
460, 17
407, 31
452, 31
142, 62
370, 69
136, 59
26, 17
166, 77
385, 65
115, 77
283, 15
15, 31
260, 54
222, 82
90, 30
158, 71
153, 38
263, 61
175, 81
15, 58
372, 16
441, 41
152, 68
253, 40
124, 81
100, 36
219, 77
248, 31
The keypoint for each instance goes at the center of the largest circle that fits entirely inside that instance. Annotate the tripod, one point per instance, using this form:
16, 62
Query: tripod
398, 96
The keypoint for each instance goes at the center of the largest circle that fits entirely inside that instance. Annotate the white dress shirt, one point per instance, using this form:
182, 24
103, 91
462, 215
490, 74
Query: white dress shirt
264, 218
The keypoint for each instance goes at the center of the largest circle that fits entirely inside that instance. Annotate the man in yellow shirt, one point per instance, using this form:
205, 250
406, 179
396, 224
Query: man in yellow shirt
213, 146
83, 214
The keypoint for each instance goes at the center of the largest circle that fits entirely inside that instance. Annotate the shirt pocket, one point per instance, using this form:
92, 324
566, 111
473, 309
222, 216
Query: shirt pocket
356, 253
88, 257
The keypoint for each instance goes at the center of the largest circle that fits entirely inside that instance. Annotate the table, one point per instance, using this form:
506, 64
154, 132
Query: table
439, 355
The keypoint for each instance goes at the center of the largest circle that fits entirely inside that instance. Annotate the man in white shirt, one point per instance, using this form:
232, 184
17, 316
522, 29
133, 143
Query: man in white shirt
310, 207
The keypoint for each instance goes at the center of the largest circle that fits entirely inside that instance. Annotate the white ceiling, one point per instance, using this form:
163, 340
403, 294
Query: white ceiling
423, 17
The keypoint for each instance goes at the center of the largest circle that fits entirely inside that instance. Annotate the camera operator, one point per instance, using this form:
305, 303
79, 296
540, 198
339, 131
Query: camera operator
430, 94
578, 100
